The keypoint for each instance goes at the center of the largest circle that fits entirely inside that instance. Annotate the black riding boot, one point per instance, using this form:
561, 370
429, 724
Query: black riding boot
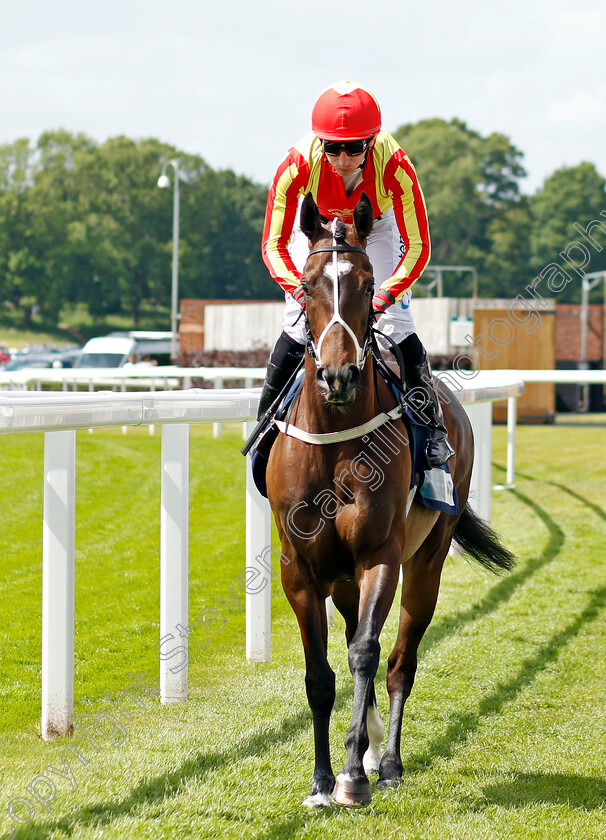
283, 362
424, 401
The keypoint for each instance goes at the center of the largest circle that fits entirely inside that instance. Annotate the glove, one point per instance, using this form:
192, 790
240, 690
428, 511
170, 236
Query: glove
299, 296
382, 301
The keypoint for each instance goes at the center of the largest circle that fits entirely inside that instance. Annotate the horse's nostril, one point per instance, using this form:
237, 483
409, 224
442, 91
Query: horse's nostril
326, 377
353, 376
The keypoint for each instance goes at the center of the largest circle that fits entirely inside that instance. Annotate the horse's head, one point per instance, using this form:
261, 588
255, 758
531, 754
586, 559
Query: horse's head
339, 285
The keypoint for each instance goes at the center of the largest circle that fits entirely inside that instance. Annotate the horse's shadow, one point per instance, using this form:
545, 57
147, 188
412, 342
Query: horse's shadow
586, 793
464, 724
519, 790
460, 727
168, 784
582, 792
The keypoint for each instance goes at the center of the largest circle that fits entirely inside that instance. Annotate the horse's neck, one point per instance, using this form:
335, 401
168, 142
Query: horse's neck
316, 416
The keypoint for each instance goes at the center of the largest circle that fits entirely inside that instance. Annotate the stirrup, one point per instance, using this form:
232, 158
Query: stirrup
438, 449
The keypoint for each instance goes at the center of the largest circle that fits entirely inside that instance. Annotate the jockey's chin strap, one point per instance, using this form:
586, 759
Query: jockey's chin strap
339, 246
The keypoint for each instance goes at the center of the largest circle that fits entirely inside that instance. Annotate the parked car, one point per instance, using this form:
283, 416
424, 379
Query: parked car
31, 360
68, 358
118, 348
36, 358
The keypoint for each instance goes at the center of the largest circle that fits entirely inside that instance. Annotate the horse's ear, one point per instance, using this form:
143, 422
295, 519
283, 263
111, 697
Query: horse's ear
363, 217
311, 224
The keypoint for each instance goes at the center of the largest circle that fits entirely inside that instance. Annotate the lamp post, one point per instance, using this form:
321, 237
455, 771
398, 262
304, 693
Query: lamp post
163, 183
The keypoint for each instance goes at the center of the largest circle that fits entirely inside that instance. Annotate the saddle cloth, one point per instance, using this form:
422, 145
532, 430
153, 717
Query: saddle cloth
433, 488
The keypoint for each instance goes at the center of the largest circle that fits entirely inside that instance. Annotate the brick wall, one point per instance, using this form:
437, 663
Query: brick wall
568, 333
191, 326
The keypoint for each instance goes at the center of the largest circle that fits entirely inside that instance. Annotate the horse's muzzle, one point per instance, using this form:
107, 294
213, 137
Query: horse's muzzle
339, 384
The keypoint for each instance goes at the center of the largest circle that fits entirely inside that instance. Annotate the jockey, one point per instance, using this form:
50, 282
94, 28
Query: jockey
344, 155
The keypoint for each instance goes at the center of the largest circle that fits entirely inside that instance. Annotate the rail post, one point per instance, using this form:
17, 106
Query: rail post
480, 416
174, 557
58, 583
258, 556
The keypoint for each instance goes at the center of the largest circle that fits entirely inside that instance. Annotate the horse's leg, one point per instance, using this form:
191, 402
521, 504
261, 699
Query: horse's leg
310, 608
421, 582
346, 597
377, 588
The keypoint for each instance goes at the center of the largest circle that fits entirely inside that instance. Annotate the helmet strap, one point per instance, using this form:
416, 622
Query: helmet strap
370, 142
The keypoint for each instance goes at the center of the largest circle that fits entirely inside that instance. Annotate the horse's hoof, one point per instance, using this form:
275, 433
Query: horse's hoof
351, 793
317, 801
393, 782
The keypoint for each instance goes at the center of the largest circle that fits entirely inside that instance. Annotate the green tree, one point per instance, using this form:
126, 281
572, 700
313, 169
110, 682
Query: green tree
470, 183
16, 259
507, 262
52, 206
223, 220
114, 240
575, 194
82, 222
38, 198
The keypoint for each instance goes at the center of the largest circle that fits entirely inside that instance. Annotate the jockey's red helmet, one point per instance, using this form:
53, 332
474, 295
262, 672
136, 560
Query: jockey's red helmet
346, 111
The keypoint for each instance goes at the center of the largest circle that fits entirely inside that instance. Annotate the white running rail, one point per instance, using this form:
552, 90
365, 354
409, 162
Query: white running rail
59, 414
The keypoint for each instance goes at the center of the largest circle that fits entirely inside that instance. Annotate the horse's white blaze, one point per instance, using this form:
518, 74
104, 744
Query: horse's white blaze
330, 270
376, 730
334, 271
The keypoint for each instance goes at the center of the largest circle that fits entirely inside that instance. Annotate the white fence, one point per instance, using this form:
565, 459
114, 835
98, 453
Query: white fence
555, 377
165, 377
59, 415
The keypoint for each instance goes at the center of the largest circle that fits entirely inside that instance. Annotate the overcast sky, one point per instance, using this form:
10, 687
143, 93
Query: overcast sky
235, 80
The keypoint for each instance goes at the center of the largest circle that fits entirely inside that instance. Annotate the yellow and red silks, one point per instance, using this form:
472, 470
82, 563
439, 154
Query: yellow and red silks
388, 179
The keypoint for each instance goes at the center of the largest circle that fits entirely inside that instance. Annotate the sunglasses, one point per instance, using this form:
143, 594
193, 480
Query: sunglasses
351, 147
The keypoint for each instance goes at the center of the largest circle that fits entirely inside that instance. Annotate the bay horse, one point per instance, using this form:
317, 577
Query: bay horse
339, 491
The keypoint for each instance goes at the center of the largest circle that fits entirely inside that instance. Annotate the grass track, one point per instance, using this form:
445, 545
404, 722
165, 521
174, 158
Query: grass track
504, 731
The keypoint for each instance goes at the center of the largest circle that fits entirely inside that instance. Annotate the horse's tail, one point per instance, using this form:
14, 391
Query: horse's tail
476, 538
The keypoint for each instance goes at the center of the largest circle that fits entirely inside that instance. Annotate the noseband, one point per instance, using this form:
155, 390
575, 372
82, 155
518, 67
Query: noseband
339, 246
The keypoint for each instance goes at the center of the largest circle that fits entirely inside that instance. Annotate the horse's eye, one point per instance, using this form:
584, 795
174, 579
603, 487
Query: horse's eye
370, 287
305, 287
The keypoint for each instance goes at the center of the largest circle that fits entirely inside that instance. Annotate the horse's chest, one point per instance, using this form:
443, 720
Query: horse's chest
338, 517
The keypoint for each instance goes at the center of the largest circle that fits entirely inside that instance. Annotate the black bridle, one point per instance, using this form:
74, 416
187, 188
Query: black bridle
343, 248
362, 352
